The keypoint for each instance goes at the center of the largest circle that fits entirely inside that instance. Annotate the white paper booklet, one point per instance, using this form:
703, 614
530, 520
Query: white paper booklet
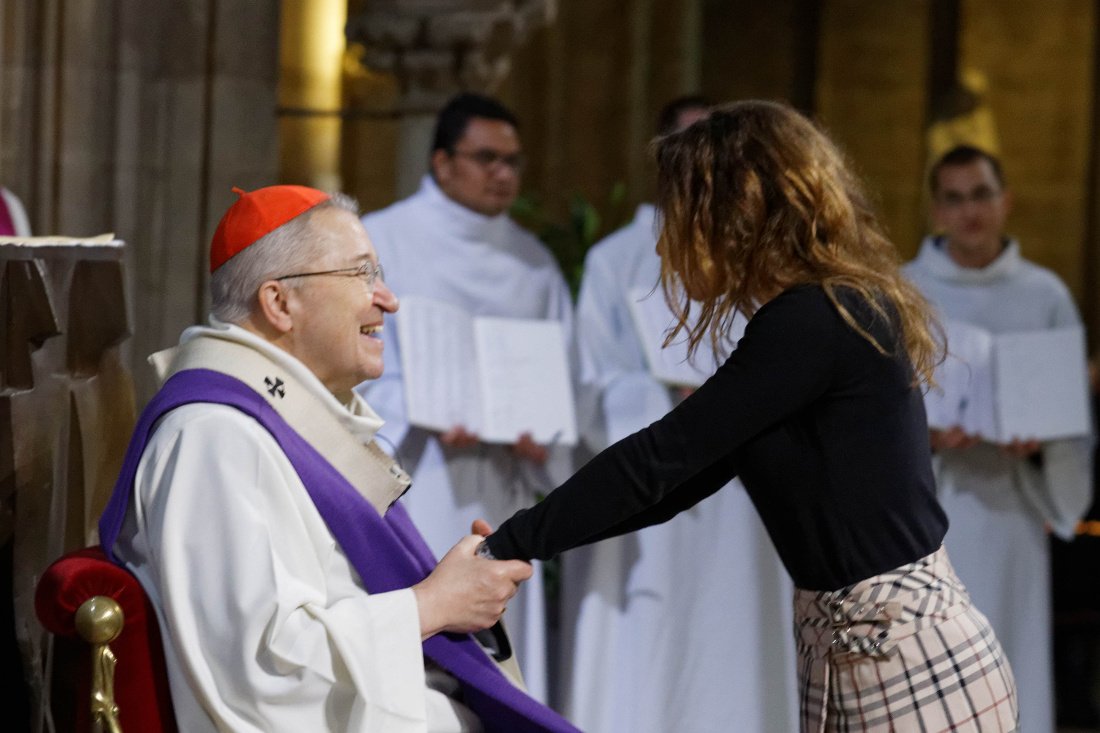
1026, 385
1042, 384
497, 377
964, 396
652, 319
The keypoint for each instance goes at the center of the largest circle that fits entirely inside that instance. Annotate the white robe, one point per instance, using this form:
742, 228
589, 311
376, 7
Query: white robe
684, 626
997, 505
266, 626
434, 247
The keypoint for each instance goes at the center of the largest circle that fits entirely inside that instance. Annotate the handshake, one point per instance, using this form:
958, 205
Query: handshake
467, 591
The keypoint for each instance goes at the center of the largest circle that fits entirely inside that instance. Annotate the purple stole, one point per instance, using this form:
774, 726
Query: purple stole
7, 224
387, 551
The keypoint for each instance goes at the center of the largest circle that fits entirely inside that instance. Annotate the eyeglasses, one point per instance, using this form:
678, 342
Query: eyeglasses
368, 272
491, 159
981, 195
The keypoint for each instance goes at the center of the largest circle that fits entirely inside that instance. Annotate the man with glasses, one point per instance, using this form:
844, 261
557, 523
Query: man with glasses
291, 589
452, 241
999, 498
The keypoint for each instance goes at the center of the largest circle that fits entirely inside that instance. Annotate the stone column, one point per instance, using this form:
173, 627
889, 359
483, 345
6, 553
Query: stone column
311, 53
436, 48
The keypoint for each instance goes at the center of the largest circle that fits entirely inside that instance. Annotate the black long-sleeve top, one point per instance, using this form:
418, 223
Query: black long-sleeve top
828, 435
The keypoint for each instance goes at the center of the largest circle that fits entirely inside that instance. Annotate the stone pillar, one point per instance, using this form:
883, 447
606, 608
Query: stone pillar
436, 48
311, 54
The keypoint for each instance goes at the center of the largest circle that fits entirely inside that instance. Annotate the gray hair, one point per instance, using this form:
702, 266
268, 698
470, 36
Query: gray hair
282, 251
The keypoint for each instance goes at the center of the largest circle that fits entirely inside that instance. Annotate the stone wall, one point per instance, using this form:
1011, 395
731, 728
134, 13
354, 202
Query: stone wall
137, 116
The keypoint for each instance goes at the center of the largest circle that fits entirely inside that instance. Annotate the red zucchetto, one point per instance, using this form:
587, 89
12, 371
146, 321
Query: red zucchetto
257, 213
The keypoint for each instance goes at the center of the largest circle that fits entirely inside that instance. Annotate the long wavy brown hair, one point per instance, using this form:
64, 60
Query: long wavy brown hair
755, 199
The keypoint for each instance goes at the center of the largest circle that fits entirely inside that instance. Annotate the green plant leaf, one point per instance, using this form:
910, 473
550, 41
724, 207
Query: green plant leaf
568, 238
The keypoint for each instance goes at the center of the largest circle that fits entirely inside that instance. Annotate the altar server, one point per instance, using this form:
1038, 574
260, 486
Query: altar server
453, 241
1001, 498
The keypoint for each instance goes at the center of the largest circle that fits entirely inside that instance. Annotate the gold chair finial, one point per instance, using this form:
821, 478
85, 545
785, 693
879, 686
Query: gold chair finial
99, 622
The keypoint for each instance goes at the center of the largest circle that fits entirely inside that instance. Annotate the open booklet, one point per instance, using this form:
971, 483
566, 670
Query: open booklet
497, 377
1029, 385
670, 364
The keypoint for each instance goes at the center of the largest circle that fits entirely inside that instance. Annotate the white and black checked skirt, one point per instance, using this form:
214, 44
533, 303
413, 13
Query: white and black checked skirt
902, 651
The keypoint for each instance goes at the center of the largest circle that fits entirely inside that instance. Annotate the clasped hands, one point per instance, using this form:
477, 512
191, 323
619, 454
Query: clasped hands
524, 447
467, 593
954, 438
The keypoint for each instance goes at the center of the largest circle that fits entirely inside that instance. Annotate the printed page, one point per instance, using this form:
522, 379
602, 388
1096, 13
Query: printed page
652, 320
439, 365
52, 239
525, 381
1042, 384
964, 396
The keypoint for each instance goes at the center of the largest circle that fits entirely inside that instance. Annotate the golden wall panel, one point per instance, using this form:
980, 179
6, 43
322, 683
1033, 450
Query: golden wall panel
871, 97
1037, 58
749, 49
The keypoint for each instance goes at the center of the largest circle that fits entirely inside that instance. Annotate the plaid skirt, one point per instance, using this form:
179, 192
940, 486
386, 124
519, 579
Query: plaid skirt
902, 651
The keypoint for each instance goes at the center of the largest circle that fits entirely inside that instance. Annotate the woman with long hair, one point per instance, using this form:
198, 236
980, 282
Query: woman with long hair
818, 411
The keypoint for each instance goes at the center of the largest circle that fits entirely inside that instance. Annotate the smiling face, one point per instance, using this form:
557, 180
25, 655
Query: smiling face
336, 320
970, 207
482, 172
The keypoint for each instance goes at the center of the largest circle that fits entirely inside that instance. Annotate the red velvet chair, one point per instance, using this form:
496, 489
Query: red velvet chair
140, 680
